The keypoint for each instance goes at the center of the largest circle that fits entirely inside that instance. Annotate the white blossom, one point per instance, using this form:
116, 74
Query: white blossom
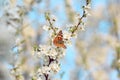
88, 6
39, 72
45, 69
61, 53
68, 42
69, 25
87, 9
55, 67
74, 35
47, 51
43, 48
46, 28
53, 17
52, 52
66, 35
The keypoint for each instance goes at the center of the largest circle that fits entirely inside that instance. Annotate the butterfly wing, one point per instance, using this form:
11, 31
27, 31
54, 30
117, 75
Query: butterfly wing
58, 41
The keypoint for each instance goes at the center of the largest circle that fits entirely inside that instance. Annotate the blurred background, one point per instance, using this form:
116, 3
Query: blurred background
94, 54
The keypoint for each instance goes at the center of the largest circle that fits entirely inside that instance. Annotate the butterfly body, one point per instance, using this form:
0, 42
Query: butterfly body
58, 41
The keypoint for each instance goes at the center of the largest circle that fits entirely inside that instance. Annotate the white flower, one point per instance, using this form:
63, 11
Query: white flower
53, 17
66, 35
46, 70
87, 9
46, 28
74, 35
68, 42
69, 25
43, 49
88, 12
47, 51
55, 67
51, 34
88, 6
61, 53
43, 70
76, 19
52, 52
38, 54
39, 71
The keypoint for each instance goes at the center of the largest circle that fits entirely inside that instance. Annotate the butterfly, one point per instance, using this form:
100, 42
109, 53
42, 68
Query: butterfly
58, 40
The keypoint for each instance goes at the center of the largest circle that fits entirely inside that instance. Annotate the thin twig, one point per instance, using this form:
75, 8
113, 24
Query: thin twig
80, 21
51, 25
83, 16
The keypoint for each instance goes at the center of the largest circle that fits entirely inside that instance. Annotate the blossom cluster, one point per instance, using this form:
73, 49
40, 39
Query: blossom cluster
51, 54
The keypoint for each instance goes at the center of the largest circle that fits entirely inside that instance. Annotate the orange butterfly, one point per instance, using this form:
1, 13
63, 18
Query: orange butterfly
58, 41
